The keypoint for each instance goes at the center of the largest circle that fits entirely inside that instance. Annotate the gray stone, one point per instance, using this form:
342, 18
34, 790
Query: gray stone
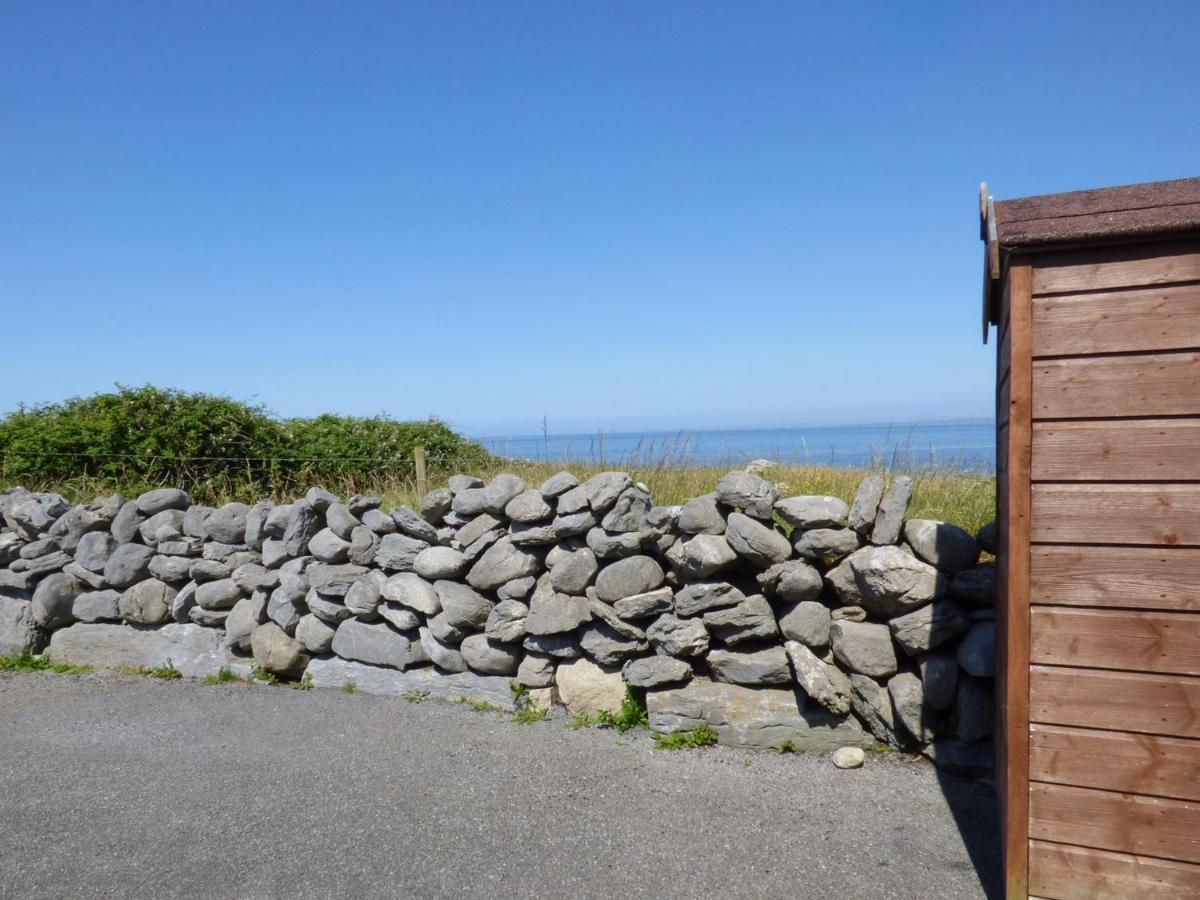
988, 538
506, 621
375, 644
246, 615
603, 489
202, 570
128, 564
339, 520
872, 704
256, 522
629, 511
814, 511
751, 667
939, 678
750, 620
976, 651
942, 545
793, 581
573, 571
53, 600
656, 672
826, 544
445, 658
147, 602
751, 717
700, 596
413, 591
364, 546
603, 612
701, 556
379, 522
434, 505
499, 491
460, 483
184, 546
673, 636
573, 501
500, 563
435, 563
170, 568
276, 652
163, 526
251, 576
274, 553
517, 589
609, 647
328, 547
377, 680
365, 595
227, 523
126, 523
183, 602
234, 553
193, 650
193, 520
753, 495
525, 535
628, 577
572, 524
823, 683
96, 606
536, 671
399, 617
890, 515
444, 631
488, 658
414, 525
974, 709
553, 613
560, 646
976, 585
643, 606
73, 525
888, 582
157, 500
758, 544
283, 611
18, 630
557, 485
930, 626
210, 618
218, 594
528, 506
849, 758
480, 546
38, 549
303, 522
908, 700
398, 552
329, 607
701, 516
91, 579
315, 635
863, 647
320, 499
807, 622
614, 546
462, 606
866, 504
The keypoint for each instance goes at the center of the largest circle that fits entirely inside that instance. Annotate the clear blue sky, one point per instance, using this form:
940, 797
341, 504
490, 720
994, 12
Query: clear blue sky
622, 216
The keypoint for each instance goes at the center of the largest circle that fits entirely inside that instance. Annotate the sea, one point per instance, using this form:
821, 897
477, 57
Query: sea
961, 445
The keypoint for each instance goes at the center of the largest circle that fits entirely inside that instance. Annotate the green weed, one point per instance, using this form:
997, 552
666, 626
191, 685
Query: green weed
349, 687
632, 714
28, 662
686, 740
581, 720
415, 696
478, 705
527, 715
223, 676
304, 683
258, 673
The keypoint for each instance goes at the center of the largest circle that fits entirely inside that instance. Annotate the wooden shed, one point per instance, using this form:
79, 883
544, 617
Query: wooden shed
1096, 299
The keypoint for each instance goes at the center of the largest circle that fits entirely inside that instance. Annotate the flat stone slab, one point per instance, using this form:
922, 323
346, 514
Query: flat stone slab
334, 672
752, 717
192, 649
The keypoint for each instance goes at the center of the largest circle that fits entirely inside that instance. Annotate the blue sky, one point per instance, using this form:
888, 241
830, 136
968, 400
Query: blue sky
620, 216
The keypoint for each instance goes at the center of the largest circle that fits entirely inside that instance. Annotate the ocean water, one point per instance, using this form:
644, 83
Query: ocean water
967, 446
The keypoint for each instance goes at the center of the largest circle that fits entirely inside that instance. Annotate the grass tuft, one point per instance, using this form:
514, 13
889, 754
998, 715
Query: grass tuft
581, 720
304, 683
527, 715
167, 671
26, 661
686, 740
632, 714
349, 687
258, 673
415, 696
223, 676
478, 705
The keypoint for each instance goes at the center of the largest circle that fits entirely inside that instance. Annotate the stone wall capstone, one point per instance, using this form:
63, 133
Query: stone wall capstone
804, 622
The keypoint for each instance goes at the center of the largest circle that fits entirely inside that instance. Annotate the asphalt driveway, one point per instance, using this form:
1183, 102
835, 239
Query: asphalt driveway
131, 787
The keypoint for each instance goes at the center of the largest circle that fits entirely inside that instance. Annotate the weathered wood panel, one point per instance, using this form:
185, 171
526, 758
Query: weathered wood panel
1124, 577
1080, 873
1120, 701
1117, 450
1165, 514
1136, 641
1142, 385
1115, 761
1012, 672
1096, 269
1128, 823
1144, 319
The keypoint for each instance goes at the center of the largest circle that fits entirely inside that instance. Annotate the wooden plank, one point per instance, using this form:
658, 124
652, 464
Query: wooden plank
1145, 319
1117, 513
1117, 450
1115, 761
1153, 194
1120, 701
1117, 577
1142, 385
1013, 667
1127, 823
1133, 640
1126, 224
1004, 399
1082, 873
1105, 268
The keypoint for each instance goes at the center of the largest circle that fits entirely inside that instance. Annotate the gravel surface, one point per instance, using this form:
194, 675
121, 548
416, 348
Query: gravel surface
132, 787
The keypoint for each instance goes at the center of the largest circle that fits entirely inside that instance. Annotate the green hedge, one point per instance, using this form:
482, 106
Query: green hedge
212, 446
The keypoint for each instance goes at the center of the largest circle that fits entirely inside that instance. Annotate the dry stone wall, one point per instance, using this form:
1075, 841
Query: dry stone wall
800, 621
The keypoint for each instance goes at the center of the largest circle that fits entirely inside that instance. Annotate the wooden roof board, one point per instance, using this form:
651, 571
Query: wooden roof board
1129, 211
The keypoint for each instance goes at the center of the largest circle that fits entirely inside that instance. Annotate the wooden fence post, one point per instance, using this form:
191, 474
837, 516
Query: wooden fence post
419, 461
